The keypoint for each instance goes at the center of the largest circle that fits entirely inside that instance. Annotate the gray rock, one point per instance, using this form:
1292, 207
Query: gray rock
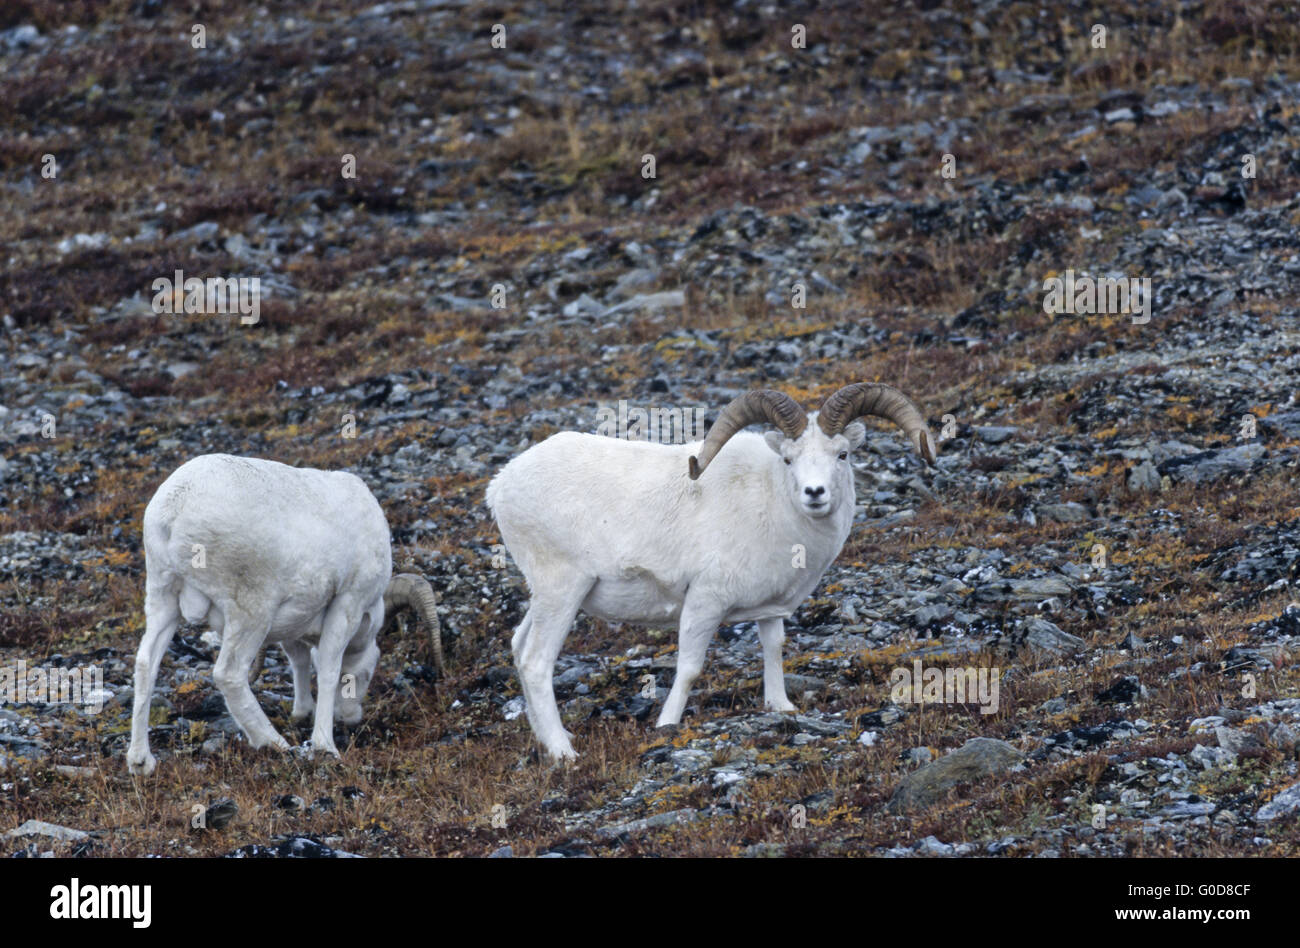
1131, 641
796, 686
1284, 804
1283, 737
1023, 589
206, 230
859, 153
1184, 810
52, 830
1064, 513
995, 434
932, 846
1143, 478
220, 813
238, 247
1047, 637
584, 305
918, 755
21, 37
658, 821
1211, 757
461, 304
690, 760
1212, 465
927, 616
669, 299
978, 758
633, 280
1237, 741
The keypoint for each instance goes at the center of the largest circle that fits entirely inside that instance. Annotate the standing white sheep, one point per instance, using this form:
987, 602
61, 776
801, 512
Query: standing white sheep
265, 552
624, 531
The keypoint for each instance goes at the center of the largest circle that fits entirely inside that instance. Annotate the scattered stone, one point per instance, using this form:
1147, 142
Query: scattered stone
1123, 691
220, 813
1063, 513
1047, 637
1024, 590
1284, 804
977, 759
995, 434
658, 821
1143, 478
52, 830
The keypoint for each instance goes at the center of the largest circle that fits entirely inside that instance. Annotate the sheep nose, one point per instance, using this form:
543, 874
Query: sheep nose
814, 492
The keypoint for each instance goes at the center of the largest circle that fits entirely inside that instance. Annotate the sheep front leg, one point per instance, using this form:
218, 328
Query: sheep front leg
771, 632
698, 623
239, 645
299, 654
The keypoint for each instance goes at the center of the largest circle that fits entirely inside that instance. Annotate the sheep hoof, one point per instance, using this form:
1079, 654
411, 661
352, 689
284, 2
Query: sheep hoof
783, 705
141, 766
297, 716
309, 748
274, 742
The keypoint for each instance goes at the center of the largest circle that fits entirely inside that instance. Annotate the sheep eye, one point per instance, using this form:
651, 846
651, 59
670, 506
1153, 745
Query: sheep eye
787, 460
844, 455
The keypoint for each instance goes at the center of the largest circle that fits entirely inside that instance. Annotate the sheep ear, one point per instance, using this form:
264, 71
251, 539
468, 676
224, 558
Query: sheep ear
774, 440
856, 432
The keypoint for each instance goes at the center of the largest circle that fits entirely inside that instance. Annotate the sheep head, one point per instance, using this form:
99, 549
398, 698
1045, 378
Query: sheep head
813, 453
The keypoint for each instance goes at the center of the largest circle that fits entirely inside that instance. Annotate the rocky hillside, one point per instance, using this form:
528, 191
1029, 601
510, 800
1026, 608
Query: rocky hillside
593, 205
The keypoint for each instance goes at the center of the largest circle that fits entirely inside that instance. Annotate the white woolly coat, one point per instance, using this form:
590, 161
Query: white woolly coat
627, 514
273, 541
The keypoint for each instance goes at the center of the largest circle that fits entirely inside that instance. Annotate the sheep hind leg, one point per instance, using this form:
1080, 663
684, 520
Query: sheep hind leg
336, 631
299, 654
161, 617
698, 623
549, 617
771, 633
239, 646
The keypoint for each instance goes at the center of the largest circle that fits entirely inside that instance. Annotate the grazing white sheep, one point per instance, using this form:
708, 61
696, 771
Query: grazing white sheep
629, 531
265, 552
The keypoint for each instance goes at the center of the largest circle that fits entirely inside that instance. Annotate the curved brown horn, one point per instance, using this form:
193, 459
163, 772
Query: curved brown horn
884, 401
762, 404
411, 589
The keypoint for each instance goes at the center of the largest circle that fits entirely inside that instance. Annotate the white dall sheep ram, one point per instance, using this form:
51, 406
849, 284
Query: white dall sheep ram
630, 532
265, 552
